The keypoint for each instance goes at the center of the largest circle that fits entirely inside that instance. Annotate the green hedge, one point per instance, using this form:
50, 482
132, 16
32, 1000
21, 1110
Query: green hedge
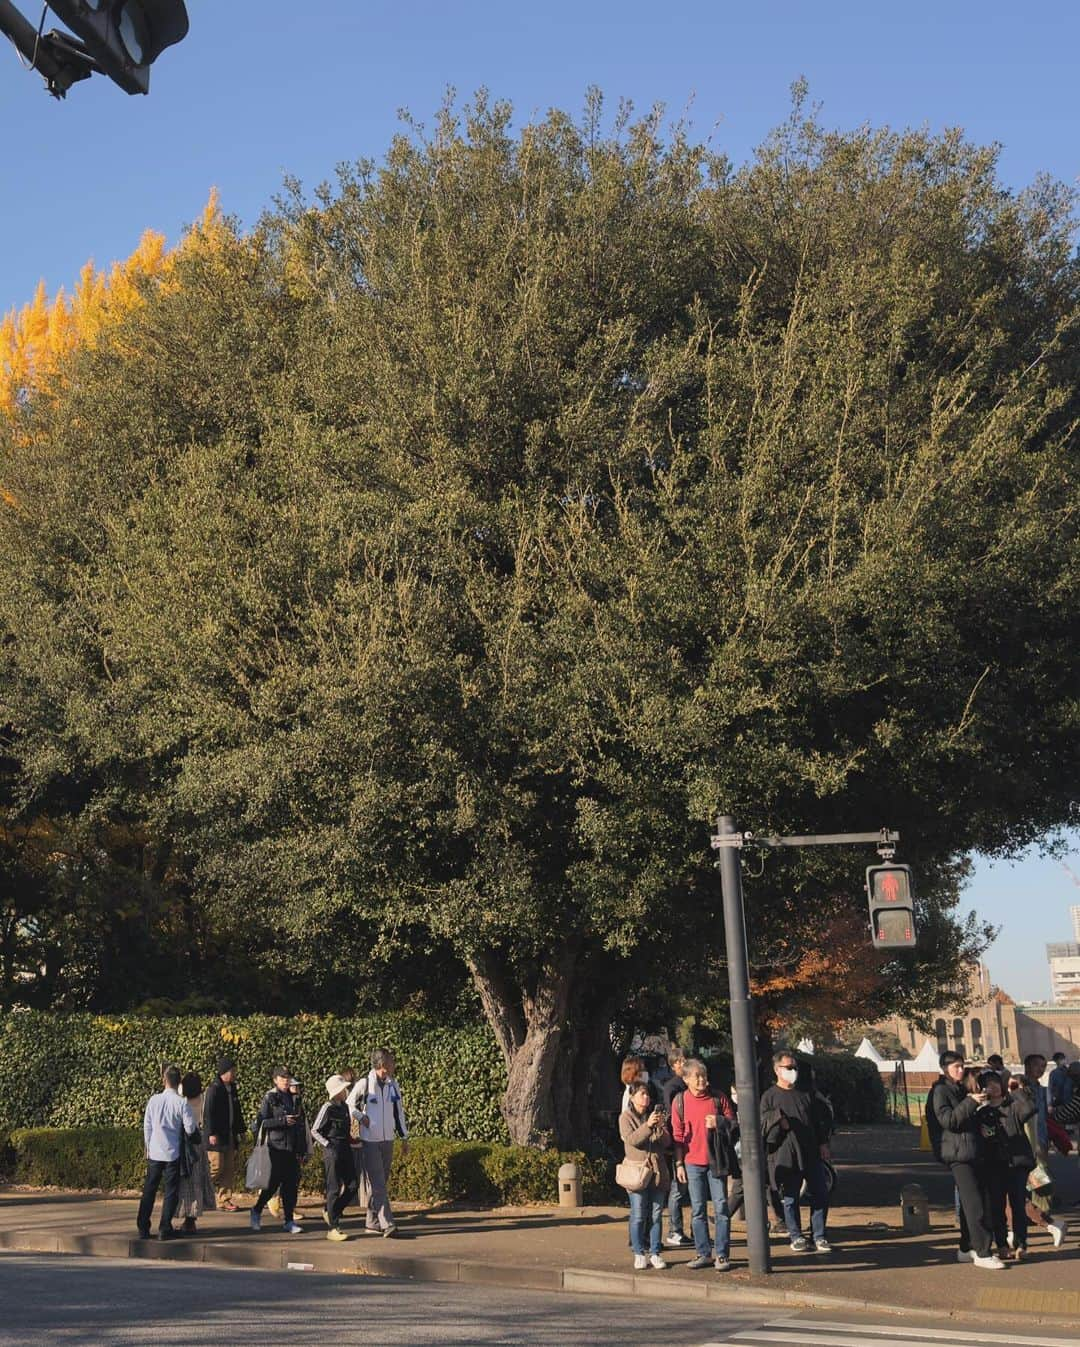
83, 1070
852, 1084
433, 1170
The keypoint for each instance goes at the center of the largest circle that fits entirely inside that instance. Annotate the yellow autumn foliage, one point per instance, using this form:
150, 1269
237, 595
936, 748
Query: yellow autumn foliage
35, 339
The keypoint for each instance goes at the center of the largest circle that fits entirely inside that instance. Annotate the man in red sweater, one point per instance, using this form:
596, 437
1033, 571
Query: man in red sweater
703, 1127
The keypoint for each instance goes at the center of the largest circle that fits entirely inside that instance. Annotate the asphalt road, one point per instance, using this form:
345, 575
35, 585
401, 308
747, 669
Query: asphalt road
88, 1302
48, 1299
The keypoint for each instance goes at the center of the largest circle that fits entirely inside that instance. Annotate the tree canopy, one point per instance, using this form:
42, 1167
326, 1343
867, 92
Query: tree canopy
411, 578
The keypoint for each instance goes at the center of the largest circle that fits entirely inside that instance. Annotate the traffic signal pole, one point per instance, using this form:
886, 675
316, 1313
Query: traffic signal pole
728, 841
744, 1047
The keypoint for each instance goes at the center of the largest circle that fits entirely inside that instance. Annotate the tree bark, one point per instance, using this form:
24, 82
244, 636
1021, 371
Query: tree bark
530, 1026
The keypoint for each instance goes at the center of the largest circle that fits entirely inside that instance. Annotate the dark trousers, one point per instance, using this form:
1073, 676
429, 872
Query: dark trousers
284, 1175
156, 1170
975, 1232
736, 1197
1008, 1186
341, 1180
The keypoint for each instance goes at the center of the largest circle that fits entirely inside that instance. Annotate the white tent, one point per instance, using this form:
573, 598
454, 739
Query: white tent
866, 1049
927, 1060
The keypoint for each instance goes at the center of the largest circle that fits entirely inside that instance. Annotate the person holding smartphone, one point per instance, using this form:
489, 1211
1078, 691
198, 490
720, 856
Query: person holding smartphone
954, 1109
645, 1137
1007, 1160
281, 1117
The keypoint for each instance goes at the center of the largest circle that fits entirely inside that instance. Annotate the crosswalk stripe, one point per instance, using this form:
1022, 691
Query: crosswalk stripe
950, 1335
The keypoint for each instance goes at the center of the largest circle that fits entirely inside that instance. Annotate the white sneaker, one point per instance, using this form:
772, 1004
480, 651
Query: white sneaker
1057, 1233
640, 1262
1010, 1239
657, 1262
989, 1261
965, 1256
676, 1241
293, 1228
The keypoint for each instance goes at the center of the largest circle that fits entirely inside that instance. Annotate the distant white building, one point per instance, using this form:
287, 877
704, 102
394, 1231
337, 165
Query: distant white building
1074, 912
1064, 960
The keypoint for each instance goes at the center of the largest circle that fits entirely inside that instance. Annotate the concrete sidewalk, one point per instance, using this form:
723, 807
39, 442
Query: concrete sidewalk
874, 1264
550, 1249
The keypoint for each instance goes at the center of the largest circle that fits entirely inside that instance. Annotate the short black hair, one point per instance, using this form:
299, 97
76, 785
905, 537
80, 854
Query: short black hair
1058, 1057
986, 1076
171, 1075
1034, 1057
779, 1055
947, 1058
191, 1085
995, 1057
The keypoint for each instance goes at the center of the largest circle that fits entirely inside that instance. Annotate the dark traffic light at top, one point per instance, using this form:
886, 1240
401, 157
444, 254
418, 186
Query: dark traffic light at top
118, 38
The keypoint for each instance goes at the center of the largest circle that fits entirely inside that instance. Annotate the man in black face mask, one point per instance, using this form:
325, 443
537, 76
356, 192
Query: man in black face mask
795, 1127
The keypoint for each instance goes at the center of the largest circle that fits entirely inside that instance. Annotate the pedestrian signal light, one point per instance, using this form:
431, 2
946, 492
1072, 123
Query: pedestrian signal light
125, 37
892, 906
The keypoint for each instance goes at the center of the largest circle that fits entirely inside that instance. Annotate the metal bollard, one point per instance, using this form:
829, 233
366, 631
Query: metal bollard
569, 1185
914, 1210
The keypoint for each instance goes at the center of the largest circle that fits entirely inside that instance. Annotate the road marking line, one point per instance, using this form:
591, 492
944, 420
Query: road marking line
940, 1335
867, 1338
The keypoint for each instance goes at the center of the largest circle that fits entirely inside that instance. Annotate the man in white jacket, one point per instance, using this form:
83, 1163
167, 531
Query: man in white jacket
377, 1099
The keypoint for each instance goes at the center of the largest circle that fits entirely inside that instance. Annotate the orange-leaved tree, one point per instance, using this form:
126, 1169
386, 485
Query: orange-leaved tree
35, 339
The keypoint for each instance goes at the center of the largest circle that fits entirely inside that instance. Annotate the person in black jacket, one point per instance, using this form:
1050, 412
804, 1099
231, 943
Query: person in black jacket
1006, 1159
281, 1118
223, 1126
795, 1129
955, 1133
338, 1133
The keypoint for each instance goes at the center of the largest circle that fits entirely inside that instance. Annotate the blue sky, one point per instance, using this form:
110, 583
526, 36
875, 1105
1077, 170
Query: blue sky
261, 88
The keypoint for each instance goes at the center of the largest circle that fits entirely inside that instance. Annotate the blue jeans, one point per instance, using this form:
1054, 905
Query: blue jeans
704, 1185
819, 1201
674, 1206
646, 1210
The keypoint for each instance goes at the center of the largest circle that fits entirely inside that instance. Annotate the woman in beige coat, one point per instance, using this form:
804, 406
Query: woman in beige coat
648, 1142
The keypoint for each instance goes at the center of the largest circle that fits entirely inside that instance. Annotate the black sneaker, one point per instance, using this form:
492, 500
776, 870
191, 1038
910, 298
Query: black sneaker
168, 1233
144, 1234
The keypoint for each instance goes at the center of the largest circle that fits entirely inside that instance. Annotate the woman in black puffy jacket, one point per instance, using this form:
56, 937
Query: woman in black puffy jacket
954, 1110
1006, 1160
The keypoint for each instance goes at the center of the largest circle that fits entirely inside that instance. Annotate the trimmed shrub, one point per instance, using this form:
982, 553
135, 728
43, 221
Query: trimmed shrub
852, 1084
433, 1170
84, 1071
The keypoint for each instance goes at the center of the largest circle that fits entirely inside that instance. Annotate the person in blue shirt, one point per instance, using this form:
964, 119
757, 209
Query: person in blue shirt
167, 1117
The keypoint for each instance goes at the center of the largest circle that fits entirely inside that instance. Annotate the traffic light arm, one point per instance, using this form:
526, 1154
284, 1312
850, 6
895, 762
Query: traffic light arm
120, 39
885, 840
60, 59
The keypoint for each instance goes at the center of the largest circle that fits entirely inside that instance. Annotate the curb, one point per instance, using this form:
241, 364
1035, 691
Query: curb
336, 1260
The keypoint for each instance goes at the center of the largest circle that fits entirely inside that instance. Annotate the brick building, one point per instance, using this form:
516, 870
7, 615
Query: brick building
993, 1022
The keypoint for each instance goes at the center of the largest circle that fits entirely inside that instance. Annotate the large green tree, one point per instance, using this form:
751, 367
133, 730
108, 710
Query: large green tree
435, 560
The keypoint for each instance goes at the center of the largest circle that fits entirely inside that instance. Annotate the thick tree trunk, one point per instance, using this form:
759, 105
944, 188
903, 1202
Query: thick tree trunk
530, 1027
